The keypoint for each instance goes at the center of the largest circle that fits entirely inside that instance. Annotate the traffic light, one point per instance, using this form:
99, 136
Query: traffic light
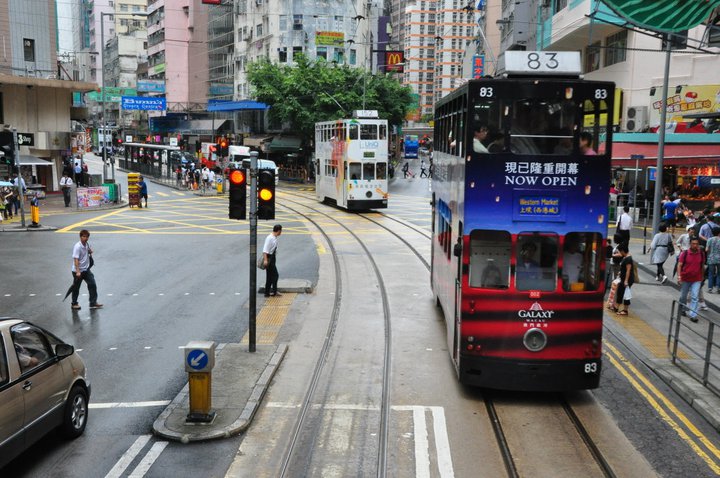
7, 148
223, 150
266, 194
238, 193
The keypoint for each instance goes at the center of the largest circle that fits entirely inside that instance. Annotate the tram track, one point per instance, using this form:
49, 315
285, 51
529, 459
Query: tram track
382, 444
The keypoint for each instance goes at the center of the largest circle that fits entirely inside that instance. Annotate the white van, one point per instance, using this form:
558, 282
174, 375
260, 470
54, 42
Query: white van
238, 161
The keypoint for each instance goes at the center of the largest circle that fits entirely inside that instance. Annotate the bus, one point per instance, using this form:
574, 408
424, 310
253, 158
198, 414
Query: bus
351, 161
153, 160
411, 145
520, 216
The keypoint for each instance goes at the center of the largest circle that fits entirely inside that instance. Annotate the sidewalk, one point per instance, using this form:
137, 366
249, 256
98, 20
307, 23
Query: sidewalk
645, 331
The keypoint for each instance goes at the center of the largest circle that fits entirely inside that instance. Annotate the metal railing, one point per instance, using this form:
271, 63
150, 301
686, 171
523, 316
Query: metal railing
691, 345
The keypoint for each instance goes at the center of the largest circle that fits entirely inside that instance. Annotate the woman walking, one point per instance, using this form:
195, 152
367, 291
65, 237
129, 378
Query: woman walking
661, 248
627, 279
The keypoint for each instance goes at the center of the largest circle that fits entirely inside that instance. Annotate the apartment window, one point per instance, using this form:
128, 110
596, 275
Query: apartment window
283, 23
123, 7
136, 8
339, 23
592, 57
282, 55
339, 57
29, 49
321, 52
297, 50
259, 30
559, 5
616, 48
322, 23
353, 57
297, 22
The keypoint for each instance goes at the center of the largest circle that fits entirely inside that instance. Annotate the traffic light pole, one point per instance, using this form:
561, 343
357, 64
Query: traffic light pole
252, 312
21, 193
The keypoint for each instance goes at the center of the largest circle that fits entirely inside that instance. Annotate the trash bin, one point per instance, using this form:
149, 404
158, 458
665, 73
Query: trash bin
219, 184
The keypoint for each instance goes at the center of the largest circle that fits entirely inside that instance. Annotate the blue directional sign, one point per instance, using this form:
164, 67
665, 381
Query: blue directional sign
652, 173
197, 359
156, 103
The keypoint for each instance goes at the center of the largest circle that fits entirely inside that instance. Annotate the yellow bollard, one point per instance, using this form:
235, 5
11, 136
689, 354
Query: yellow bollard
199, 362
219, 185
35, 214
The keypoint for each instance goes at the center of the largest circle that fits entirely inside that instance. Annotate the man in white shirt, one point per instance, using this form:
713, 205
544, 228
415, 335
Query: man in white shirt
81, 271
625, 225
269, 260
480, 134
66, 186
572, 263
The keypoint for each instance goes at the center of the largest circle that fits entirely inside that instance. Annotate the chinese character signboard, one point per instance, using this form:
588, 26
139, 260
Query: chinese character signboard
112, 94
330, 39
394, 61
478, 66
143, 103
691, 99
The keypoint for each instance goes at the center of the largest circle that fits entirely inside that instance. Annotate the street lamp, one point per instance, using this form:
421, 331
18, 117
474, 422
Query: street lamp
104, 112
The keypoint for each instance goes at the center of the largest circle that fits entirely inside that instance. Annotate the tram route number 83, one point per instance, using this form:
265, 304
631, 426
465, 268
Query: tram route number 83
591, 367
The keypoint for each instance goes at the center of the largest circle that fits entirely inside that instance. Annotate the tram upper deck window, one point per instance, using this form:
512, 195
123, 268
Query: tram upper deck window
381, 171
487, 132
595, 126
542, 126
354, 131
354, 171
383, 131
368, 171
368, 131
536, 262
489, 259
582, 253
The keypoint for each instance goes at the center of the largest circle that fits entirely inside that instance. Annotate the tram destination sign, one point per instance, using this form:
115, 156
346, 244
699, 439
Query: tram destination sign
538, 206
515, 62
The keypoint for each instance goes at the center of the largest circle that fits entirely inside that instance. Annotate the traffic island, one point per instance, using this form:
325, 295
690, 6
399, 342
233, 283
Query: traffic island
240, 380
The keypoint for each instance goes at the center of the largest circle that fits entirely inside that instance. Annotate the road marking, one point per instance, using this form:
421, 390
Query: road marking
128, 457
422, 447
147, 462
442, 443
71, 227
106, 405
165, 195
629, 371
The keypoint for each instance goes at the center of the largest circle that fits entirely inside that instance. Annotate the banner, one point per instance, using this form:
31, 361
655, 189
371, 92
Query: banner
478, 66
691, 99
330, 39
151, 86
112, 94
394, 61
146, 103
93, 197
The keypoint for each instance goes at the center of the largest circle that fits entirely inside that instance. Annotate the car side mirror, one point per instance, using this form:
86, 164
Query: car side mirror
457, 250
64, 350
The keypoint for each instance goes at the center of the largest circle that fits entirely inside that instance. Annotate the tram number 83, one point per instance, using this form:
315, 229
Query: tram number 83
591, 367
534, 62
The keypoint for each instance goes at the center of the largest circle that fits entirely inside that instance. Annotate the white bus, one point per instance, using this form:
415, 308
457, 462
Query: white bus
351, 161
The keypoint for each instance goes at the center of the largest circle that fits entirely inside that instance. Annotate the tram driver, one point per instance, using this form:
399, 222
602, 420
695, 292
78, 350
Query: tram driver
528, 269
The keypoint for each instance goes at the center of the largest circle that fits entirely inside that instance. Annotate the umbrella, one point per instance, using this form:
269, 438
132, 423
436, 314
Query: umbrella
76, 282
6, 183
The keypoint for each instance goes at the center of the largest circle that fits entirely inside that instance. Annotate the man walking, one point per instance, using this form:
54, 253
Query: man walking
81, 271
625, 225
691, 270
270, 261
66, 186
143, 191
423, 170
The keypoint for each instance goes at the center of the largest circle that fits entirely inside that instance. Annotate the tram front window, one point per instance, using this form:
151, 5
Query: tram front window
369, 171
542, 126
536, 262
368, 131
381, 171
582, 253
489, 259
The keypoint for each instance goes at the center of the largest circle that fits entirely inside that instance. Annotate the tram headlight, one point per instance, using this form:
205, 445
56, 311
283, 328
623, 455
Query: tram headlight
368, 194
535, 340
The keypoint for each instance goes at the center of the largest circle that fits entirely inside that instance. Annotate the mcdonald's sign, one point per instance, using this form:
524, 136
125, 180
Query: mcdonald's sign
394, 61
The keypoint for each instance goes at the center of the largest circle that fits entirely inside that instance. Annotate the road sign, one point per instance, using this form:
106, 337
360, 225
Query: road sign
652, 173
26, 139
197, 359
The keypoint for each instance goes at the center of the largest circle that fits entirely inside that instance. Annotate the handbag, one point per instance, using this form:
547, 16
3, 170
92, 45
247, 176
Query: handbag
261, 263
627, 295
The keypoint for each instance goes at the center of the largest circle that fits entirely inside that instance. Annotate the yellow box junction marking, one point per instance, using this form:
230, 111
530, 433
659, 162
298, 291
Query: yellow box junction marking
647, 335
654, 397
270, 319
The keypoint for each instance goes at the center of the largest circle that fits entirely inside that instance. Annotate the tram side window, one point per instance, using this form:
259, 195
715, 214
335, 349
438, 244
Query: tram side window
488, 135
542, 126
444, 234
582, 253
368, 131
490, 259
369, 171
536, 262
383, 131
354, 171
595, 125
354, 131
381, 171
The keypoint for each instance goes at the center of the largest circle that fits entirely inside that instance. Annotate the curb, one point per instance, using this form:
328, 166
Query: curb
238, 426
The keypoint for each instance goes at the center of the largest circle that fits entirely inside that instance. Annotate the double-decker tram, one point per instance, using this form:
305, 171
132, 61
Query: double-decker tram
351, 161
520, 205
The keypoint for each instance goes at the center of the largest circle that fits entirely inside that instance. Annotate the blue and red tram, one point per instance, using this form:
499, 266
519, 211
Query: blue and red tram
520, 205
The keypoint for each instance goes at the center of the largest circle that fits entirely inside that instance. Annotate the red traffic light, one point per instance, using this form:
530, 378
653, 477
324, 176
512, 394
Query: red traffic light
237, 176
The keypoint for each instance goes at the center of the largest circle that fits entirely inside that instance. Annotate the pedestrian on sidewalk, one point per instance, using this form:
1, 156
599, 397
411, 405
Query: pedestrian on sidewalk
82, 257
143, 191
712, 250
423, 169
623, 295
661, 248
270, 261
691, 270
66, 183
625, 225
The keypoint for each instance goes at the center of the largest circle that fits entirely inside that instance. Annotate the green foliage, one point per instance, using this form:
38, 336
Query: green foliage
302, 95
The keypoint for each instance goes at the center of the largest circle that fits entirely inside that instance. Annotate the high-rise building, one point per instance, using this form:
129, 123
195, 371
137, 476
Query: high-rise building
221, 50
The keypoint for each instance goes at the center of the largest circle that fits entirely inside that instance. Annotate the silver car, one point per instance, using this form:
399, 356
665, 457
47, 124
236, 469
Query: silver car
43, 386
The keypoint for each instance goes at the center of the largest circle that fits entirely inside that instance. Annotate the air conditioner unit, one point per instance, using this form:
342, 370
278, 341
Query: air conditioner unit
636, 118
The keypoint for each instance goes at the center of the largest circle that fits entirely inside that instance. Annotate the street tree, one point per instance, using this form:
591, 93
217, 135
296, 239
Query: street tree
313, 91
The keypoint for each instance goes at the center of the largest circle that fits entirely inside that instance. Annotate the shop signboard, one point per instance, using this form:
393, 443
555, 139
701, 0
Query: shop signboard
708, 181
478, 66
690, 99
330, 39
151, 86
145, 103
112, 94
88, 198
651, 173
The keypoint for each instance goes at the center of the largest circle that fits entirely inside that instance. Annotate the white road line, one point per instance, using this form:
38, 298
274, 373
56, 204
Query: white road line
128, 457
442, 443
147, 462
154, 403
422, 451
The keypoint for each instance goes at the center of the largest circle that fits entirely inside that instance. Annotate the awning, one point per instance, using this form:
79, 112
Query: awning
256, 141
675, 154
28, 160
285, 144
244, 105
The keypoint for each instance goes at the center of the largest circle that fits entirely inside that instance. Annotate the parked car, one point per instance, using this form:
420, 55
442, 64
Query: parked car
43, 386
